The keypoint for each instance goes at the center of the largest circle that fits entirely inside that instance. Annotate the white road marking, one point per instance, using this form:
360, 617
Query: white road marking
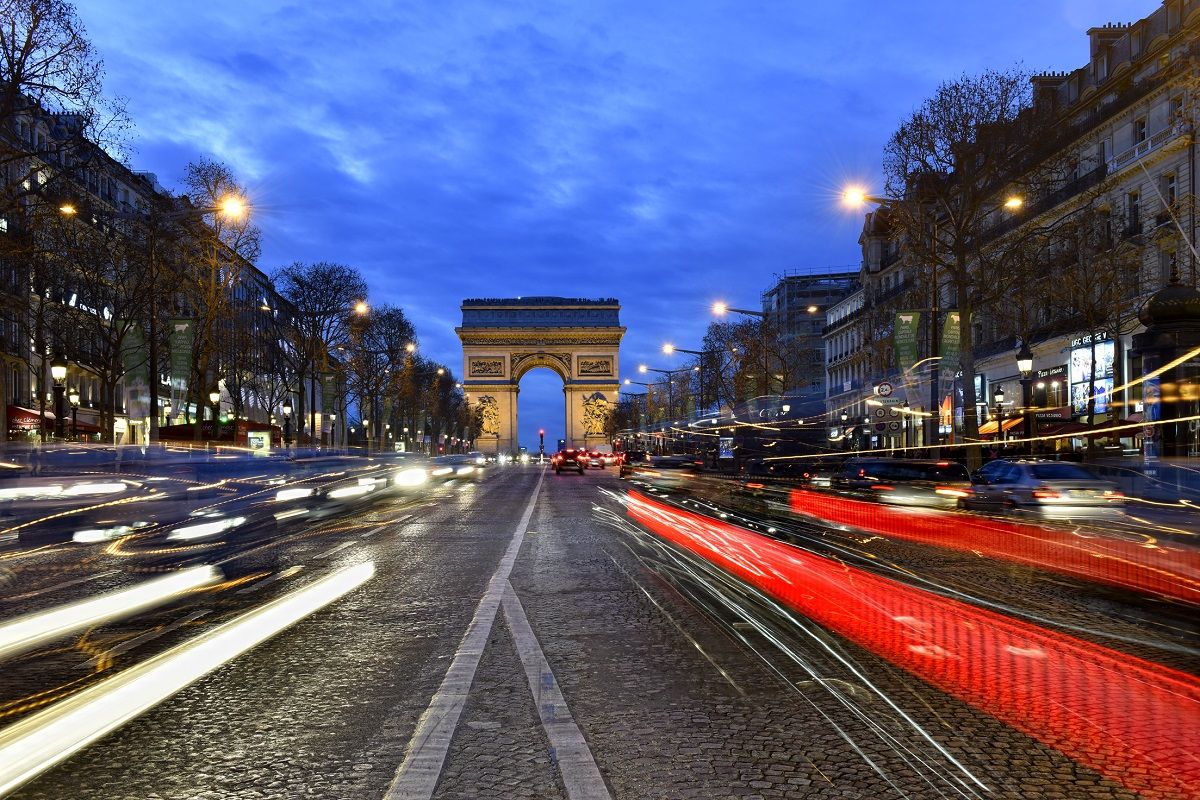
335, 548
48, 589
425, 755
580, 775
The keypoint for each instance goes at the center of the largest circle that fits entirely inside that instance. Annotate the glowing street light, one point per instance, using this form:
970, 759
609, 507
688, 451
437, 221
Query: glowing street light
361, 307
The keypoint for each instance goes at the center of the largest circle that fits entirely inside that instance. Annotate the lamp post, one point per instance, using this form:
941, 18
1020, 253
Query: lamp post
73, 399
670, 373
1025, 367
230, 206
998, 397
333, 430
214, 397
287, 423
58, 371
720, 309
670, 349
167, 412
855, 198
649, 397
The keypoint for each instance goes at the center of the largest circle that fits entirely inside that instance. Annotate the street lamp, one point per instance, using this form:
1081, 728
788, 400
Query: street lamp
670, 373
58, 371
998, 397
167, 411
721, 309
1025, 367
73, 399
287, 423
214, 397
856, 197
231, 206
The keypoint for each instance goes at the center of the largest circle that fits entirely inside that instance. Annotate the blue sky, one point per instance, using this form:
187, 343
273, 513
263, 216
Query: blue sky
665, 153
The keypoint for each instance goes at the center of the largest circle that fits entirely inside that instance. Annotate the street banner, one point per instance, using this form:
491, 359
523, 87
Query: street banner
133, 352
328, 392
948, 367
904, 338
180, 337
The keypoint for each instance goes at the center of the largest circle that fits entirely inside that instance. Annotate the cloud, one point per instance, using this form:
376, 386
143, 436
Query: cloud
664, 153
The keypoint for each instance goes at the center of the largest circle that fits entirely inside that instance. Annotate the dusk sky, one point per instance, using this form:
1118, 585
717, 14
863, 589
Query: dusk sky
668, 154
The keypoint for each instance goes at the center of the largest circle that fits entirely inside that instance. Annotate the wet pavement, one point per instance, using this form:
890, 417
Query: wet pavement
679, 681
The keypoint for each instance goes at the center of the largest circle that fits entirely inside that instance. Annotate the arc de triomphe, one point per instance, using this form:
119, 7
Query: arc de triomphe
577, 339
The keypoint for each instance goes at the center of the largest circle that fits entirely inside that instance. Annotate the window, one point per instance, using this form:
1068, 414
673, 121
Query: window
1168, 188
1175, 110
1139, 130
1133, 209
1168, 264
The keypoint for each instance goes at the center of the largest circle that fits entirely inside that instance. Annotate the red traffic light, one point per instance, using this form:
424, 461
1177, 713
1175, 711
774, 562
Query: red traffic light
541, 431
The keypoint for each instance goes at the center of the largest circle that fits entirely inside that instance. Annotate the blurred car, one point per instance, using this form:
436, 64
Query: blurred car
594, 460
908, 482
665, 472
568, 458
459, 466
481, 459
631, 459
1047, 488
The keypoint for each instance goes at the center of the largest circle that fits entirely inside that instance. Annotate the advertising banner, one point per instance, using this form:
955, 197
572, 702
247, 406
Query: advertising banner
904, 338
180, 335
133, 352
1082, 368
328, 392
949, 365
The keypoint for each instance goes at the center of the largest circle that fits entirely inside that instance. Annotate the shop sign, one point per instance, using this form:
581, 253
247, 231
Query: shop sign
1049, 373
1063, 413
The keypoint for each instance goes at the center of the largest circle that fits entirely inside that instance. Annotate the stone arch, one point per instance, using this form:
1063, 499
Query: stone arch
577, 339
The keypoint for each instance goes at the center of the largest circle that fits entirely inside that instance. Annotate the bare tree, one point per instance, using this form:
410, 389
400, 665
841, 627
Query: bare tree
324, 296
948, 165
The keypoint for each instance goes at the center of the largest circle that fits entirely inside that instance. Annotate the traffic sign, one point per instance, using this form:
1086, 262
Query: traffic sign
884, 389
889, 401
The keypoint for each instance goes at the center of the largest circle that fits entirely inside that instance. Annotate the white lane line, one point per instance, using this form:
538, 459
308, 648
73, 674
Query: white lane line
33, 630
425, 755
580, 775
38, 742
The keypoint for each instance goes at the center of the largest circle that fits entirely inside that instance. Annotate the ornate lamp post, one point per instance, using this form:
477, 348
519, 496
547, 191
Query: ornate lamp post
58, 371
214, 397
73, 399
998, 397
287, 423
1025, 367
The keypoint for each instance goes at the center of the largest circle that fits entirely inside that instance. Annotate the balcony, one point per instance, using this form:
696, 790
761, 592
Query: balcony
1142, 149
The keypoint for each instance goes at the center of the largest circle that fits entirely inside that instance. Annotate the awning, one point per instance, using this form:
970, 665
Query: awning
1101, 429
989, 428
27, 419
82, 426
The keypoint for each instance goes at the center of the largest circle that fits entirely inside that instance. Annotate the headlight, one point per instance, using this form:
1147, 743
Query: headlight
284, 495
205, 529
413, 476
464, 470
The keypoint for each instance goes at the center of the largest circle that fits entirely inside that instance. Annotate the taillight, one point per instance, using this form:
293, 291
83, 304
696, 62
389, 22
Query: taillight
1044, 493
952, 491
754, 486
1113, 494
883, 487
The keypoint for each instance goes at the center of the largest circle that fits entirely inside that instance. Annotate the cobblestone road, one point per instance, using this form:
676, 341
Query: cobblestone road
682, 683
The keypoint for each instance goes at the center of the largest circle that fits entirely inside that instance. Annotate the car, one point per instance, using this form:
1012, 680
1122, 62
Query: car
459, 466
907, 482
594, 460
631, 459
1046, 488
663, 472
568, 458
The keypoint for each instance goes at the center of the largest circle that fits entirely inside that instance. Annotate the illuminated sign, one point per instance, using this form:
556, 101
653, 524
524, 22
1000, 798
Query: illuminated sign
1082, 369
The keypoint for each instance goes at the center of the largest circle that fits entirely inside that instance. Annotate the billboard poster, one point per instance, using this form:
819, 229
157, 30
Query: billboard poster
950, 345
328, 392
1081, 369
725, 447
180, 337
904, 339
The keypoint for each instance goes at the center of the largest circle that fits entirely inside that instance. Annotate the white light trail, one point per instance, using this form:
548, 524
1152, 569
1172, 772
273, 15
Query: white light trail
40, 741
32, 630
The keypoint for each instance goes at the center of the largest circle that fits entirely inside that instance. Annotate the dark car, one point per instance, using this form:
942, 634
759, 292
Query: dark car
569, 458
908, 482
